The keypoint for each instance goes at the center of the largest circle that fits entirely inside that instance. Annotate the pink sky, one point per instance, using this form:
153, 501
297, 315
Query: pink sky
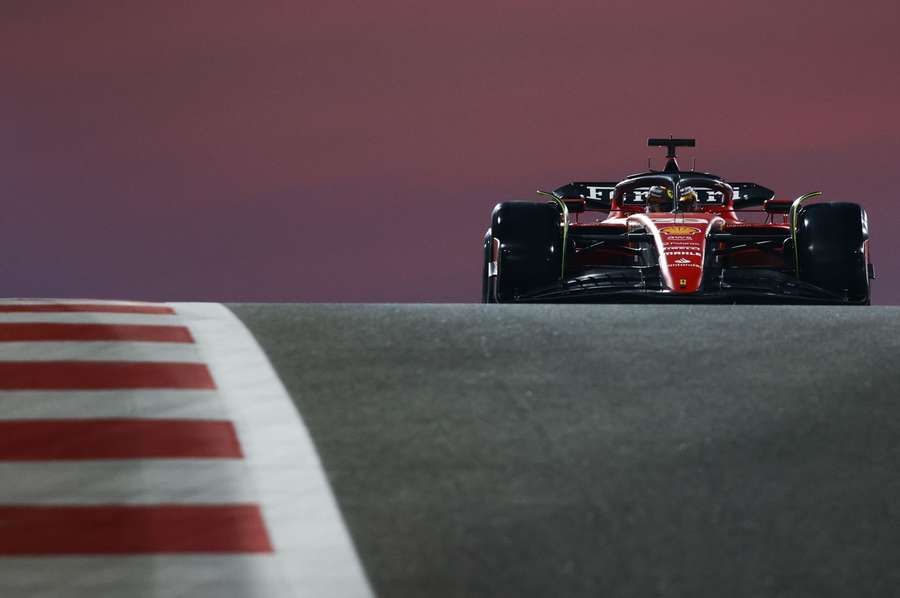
352, 151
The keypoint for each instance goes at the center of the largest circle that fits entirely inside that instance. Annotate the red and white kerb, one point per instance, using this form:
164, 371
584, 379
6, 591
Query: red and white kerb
151, 449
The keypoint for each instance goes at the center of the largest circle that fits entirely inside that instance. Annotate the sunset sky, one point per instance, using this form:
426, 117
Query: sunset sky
353, 151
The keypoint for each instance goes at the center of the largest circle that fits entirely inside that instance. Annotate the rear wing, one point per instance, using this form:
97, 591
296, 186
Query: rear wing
747, 195
597, 195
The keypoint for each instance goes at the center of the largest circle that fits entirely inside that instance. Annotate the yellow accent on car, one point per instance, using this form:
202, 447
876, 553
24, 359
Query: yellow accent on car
679, 230
564, 221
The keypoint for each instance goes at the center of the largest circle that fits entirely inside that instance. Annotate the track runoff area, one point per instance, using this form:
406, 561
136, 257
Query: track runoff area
447, 450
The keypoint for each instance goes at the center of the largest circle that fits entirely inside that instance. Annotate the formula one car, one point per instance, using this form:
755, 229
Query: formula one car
676, 236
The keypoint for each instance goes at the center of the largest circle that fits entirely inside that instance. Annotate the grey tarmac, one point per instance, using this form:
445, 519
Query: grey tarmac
611, 450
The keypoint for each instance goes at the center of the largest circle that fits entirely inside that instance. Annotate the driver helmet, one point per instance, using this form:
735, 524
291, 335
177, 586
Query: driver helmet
687, 198
658, 198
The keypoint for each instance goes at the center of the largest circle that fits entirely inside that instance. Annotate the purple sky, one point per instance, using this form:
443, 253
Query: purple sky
352, 151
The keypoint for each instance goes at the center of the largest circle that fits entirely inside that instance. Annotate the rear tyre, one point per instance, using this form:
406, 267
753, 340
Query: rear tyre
530, 240
831, 249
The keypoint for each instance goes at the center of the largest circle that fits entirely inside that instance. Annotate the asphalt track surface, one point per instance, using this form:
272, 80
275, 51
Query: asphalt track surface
604, 450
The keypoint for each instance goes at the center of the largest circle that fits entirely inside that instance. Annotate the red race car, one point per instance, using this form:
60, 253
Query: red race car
676, 236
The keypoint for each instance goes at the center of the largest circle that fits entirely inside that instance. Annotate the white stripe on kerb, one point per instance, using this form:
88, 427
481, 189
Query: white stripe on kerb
71, 317
168, 576
311, 541
92, 404
70, 300
125, 481
98, 351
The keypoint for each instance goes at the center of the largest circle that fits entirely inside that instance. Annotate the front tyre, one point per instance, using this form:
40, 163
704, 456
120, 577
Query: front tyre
530, 247
831, 249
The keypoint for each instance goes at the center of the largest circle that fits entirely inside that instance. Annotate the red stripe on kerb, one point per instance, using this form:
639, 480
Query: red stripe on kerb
132, 530
102, 375
20, 332
64, 440
13, 308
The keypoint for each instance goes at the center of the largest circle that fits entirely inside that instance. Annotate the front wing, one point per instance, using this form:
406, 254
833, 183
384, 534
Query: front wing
644, 284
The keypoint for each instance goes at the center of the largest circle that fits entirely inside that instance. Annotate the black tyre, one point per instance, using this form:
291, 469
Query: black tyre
530, 247
831, 251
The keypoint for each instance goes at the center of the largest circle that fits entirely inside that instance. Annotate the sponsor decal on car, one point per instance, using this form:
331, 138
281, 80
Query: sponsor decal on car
679, 230
600, 193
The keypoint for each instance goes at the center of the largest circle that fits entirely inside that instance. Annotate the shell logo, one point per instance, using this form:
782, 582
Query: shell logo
679, 230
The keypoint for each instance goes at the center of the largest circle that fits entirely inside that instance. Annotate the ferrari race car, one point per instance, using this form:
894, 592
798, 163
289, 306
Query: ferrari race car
676, 236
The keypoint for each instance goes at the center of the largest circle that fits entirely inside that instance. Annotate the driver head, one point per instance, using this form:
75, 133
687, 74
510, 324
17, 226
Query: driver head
687, 199
658, 199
